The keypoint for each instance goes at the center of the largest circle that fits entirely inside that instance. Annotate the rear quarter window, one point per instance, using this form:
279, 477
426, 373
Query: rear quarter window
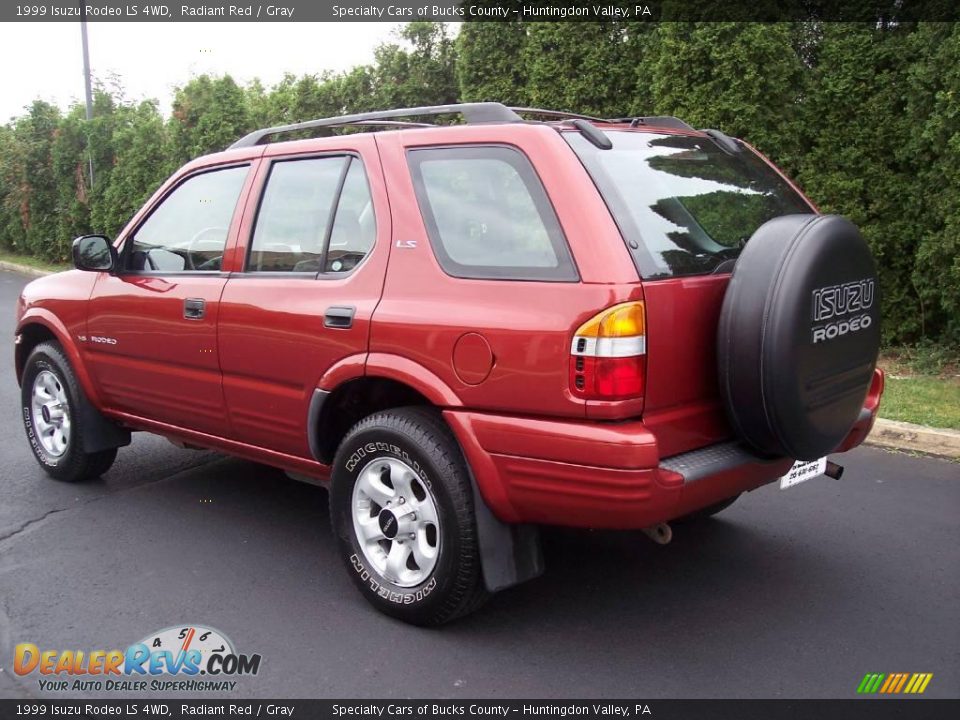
487, 214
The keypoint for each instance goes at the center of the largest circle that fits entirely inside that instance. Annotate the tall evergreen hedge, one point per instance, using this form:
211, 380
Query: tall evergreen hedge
866, 116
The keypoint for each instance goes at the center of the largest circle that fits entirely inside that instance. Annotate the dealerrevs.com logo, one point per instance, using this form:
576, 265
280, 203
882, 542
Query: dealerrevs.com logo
180, 658
842, 309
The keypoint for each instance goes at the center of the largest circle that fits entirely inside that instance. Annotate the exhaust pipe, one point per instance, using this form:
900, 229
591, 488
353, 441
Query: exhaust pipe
833, 470
660, 533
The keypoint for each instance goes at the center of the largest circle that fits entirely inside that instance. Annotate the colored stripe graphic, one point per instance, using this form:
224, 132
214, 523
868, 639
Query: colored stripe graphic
894, 683
891, 681
903, 679
926, 681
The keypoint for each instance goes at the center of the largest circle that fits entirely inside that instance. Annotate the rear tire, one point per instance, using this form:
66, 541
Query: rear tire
51, 399
401, 508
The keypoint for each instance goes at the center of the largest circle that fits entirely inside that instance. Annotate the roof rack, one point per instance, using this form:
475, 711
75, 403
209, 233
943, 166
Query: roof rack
473, 113
664, 121
556, 114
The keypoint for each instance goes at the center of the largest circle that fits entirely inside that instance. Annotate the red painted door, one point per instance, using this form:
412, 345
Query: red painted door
311, 262
152, 326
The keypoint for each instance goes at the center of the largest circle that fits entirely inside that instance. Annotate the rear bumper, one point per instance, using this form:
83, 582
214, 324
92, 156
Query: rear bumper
606, 475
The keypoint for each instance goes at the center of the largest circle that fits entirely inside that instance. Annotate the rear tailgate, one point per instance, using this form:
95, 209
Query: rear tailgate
682, 403
685, 207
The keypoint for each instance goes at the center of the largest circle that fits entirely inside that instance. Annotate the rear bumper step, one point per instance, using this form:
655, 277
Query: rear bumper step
712, 460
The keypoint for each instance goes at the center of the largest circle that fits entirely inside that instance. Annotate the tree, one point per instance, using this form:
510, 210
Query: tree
932, 147
35, 179
424, 74
855, 125
142, 162
209, 114
586, 67
742, 78
490, 62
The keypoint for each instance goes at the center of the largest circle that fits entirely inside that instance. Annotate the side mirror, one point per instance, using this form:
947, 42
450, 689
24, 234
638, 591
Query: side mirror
94, 253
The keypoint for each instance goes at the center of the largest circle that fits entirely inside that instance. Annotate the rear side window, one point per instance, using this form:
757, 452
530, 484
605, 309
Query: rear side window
294, 215
488, 216
316, 215
683, 205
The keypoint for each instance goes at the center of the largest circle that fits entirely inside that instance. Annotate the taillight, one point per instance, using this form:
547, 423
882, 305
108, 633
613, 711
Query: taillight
608, 357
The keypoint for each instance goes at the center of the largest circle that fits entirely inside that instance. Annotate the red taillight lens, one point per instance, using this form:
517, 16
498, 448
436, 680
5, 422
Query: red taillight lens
608, 356
618, 378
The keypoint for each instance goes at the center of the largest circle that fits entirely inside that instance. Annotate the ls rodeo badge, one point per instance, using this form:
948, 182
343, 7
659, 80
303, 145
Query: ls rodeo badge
188, 650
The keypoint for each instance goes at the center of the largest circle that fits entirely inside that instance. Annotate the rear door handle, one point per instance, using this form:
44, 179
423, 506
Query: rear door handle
339, 316
194, 308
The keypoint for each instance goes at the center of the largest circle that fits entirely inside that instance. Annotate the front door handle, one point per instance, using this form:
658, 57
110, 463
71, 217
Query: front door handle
339, 316
194, 308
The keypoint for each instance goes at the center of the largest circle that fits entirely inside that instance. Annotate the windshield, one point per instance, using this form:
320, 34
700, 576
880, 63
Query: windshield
683, 205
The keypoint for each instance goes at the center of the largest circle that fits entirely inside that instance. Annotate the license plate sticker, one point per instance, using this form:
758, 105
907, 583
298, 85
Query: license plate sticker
803, 470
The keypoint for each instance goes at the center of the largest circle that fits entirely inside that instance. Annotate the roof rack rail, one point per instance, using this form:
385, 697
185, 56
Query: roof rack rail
665, 121
556, 114
473, 113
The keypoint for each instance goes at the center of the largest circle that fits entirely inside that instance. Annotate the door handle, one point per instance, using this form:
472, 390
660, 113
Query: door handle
339, 316
194, 308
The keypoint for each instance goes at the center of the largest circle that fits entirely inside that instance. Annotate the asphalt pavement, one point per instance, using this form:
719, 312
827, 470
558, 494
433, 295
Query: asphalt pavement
789, 593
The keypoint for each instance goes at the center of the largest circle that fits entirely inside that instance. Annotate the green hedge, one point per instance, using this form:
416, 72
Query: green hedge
865, 116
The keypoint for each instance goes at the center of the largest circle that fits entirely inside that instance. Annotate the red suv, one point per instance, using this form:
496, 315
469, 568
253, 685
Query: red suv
466, 331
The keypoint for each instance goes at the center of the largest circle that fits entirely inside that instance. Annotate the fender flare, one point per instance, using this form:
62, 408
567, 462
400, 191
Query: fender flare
45, 318
390, 367
100, 433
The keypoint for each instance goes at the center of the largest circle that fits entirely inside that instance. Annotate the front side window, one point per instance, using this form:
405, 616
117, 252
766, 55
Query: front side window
188, 230
487, 214
316, 215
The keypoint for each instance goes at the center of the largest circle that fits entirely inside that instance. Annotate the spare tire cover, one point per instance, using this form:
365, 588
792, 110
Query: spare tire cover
799, 335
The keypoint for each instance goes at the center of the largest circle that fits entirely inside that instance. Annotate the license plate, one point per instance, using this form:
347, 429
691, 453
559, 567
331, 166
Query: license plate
802, 471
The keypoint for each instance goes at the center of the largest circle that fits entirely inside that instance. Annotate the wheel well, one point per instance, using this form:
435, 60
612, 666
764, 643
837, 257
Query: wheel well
354, 400
30, 336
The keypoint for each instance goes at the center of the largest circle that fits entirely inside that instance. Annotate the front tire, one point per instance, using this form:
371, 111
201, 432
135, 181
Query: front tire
51, 399
401, 507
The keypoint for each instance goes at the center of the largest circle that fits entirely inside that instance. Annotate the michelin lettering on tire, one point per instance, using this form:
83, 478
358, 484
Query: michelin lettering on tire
386, 593
371, 448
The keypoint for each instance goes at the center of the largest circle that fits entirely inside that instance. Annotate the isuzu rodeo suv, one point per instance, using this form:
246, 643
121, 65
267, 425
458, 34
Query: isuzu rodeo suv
467, 330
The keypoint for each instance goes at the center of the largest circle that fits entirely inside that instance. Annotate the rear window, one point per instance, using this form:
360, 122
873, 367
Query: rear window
683, 205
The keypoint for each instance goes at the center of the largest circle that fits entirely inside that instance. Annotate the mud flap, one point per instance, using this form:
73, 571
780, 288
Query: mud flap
99, 433
509, 554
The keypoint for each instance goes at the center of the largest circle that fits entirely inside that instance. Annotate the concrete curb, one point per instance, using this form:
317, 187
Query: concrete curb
23, 269
918, 438
886, 433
